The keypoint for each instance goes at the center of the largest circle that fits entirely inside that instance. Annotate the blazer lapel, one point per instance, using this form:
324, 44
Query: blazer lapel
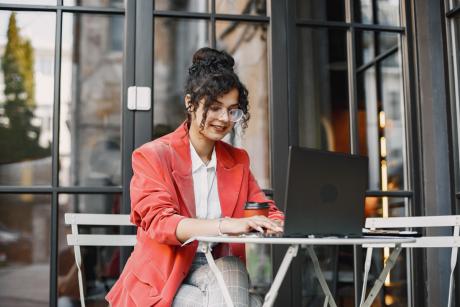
182, 168
229, 179
185, 188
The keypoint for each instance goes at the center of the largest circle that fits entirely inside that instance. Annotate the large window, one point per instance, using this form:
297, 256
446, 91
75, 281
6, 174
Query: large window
65, 66
350, 98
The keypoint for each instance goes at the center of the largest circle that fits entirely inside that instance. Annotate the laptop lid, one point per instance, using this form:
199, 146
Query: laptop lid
325, 193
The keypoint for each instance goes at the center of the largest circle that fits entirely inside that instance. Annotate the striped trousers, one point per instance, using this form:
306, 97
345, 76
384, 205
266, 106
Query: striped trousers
201, 289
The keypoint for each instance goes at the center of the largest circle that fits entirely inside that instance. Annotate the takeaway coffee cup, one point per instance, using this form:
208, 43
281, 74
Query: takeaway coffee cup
253, 208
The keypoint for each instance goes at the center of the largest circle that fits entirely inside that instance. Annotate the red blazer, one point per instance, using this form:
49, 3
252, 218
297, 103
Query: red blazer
162, 195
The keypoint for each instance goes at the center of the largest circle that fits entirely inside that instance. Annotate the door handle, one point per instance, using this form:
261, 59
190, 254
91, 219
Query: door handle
139, 98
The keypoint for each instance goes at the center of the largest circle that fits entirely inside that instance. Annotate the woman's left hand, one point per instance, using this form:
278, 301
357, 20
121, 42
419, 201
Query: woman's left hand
280, 223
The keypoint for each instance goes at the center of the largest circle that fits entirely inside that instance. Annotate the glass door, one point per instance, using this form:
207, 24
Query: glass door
66, 138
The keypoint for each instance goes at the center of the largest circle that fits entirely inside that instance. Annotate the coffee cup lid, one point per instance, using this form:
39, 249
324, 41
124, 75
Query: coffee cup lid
255, 205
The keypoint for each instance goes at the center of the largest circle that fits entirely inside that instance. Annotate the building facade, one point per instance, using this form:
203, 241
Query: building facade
378, 78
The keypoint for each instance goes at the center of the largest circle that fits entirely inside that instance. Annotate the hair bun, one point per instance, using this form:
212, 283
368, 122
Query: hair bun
207, 60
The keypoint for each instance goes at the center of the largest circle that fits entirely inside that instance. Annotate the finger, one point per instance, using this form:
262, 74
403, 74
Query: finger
267, 223
280, 223
262, 218
272, 225
275, 223
255, 226
269, 227
273, 231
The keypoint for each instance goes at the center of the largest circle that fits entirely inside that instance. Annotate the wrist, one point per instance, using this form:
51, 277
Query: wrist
220, 230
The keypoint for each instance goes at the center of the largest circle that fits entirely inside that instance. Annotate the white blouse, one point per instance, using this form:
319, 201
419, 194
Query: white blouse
207, 201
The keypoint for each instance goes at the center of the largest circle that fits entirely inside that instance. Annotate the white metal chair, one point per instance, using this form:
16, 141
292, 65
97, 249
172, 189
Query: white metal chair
76, 240
452, 241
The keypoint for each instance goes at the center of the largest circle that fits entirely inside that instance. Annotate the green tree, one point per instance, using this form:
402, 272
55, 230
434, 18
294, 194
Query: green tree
18, 136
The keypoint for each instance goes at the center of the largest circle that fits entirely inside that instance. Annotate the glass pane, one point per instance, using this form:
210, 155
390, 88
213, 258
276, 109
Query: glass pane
322, 89
242, 7
365, 43
91, 80
373, 44
387, 42
175, 42
247, 43
26, 97
34, 2
259, 264
96, 3
368, 125
385, 207
332, 10
456, 113
101, 264
388, 12
382, 12
381, 121
201, 6
25, 245
393, 123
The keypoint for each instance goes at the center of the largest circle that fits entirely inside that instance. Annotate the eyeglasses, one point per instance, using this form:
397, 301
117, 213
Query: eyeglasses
234, 115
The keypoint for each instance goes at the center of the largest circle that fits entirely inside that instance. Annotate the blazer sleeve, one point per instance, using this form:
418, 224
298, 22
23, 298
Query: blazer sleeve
255, 194
153, 207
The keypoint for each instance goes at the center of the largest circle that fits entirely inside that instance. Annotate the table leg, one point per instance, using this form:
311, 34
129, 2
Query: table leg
367, 267
389, 264
218, 274
273, 292
320, 276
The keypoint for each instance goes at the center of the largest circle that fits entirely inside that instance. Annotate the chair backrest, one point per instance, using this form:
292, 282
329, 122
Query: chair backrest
452, 241
422, 222
76, 240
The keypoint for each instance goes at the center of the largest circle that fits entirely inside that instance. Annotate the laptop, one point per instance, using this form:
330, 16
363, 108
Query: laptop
325, 193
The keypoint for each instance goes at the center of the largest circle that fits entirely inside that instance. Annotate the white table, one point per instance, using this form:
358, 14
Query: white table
308, 243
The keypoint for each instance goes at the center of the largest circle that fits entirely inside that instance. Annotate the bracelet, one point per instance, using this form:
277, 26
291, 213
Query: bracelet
218, 227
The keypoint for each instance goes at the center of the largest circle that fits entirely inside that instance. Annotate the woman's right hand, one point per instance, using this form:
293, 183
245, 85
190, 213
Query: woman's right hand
237, 226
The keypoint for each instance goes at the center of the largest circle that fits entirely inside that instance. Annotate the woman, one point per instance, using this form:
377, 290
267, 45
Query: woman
190, 183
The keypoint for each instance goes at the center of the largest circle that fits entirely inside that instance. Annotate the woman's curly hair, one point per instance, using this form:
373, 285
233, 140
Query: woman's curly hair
211, 76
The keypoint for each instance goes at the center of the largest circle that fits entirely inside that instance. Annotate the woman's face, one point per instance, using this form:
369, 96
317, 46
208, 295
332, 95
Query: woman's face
218, 122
